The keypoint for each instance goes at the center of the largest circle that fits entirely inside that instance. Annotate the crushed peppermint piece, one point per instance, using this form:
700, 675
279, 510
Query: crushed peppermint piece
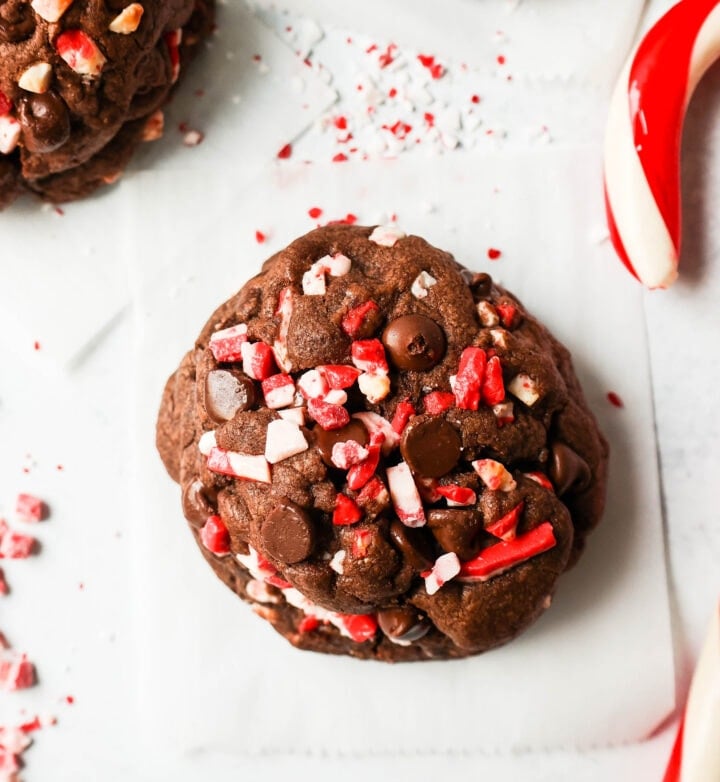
128, 20
80, 52
192, 138
615, 400
422, 284
285, 152
346, 511
405, 496
36, 78
279, 391
347, 454
386, 235
284, 439
16, 672
10, 131
494, 254
226, 345
336, 563
524, 388
50, 10
494, 475
29, 508
215, 536
239, 465
446, 567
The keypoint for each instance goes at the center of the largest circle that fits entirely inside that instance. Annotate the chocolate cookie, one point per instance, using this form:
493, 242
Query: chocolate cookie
382, 452
82, 84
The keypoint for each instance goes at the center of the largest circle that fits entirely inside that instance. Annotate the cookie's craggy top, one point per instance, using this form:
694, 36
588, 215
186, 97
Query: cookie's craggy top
382, 452
82, 83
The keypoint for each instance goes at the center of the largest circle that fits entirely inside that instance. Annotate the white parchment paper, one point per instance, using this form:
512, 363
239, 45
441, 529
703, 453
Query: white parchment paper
597, 669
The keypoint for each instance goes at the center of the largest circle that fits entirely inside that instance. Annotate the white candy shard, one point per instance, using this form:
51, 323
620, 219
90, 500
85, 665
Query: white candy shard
154, 126
487, 313
346, 454
387, 235
525, 389
405, 496
422, 284
284, 439
375, 387
36, 78
9, 134
494, 475
296, 415
239, 465
282, 394
260, 591
336, 396
128, 20
207, 442
312, 385
80, 52
337, 265
258, 570
445, 569
336, 563
50, 10
313, 281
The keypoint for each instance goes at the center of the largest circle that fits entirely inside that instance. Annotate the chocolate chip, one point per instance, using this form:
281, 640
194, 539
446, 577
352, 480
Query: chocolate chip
414, 342
197, 503
411, 546
480, 285
227, 392
17, 21
288, 533
567, 469
325, 440
403, 624
45, 122
457, 530
431, 446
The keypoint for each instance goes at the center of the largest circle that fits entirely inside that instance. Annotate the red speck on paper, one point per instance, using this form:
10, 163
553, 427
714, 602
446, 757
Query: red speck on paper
475, 99
260, 237
340, 158
256, 58
69, 699
36, 345
501, 59
340, 122
285, 152
494, 254
429, 119
615, 400
59, 211
392, 92
315, 212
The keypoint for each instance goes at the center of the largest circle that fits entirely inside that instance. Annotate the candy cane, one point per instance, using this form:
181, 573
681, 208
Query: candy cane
696, 754
644, 134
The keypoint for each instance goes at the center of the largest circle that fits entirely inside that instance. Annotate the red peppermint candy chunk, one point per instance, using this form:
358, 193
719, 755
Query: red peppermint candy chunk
405, 496
279, 391
505, 413
339, 376
5, 104
361, 543
284, 311
470, 378
505, 527
445, 569
278, 582
360, 627
403, 413
172, 41
226, 345
258, 360
10, 132
376, 424
29, 508
308, 624
542, 479
457, 495
346, 511
493, 390
494, 475
346, 455
503, 556
313, 384
16, 672
363, 471
329, 416
437, 402
369, 356
508, 315
374, 492
215, 536
239, 465
14, 545
80, 52
354, 320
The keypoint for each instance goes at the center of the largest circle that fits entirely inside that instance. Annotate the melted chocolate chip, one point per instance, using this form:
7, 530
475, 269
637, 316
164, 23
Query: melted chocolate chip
411, 546
325, 440
197, 503
226, 393
45, 122
288, 533
403, 625
431, 446
480, 285
414, 342
457, 530
17, 21
567, 469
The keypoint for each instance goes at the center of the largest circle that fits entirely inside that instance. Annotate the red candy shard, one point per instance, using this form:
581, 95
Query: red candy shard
508, 314
373, 490
493, 253
615, 399
258, 360
339, 376
369, 356
29, 508
16, 672
215, 536
500, 557
277, 582
279, 391
361, 473
361, 543
260, 237
327, 415
470, 378
428, 61
346, 511
5, 104
315, 212
493, 389
348, 454
308, 624
14, 545
403, 413
505, 527
405, 496
226, 345
437, 402
494, 475
360, 627
4, 588
457, 495
285, 152
542, 479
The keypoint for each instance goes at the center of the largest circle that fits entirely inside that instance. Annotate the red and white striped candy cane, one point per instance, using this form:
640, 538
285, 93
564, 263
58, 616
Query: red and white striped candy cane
696, 754
644, 134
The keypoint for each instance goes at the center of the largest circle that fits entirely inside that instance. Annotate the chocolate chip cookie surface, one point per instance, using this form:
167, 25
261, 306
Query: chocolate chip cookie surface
82, 83
382, 452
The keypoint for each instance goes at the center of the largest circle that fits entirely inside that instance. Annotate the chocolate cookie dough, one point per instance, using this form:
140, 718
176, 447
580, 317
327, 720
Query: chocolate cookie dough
384, 453
82, 83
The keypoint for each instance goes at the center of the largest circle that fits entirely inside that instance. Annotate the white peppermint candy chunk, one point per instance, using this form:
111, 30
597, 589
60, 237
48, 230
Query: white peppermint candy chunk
387, 235
525, 389
346, 454
499, 337
313, 281
260, 591
50, 10
375, 387
505, 411
422, 284
312, 385
336, 396
207, 442
9, 134
487, 313
154, 126
405, 496
279, 393
284, 439
128, 20
376, 424
239, 465
80, 52
337, 265
284, 309
336, 563
494, 475
36, 78
251, 562
295, 415
445, 569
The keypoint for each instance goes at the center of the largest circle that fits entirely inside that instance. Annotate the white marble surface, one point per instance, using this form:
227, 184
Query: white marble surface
80, 420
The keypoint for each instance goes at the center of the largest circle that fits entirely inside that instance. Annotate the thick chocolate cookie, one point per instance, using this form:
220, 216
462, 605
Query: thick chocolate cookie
382, 452
82, 83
